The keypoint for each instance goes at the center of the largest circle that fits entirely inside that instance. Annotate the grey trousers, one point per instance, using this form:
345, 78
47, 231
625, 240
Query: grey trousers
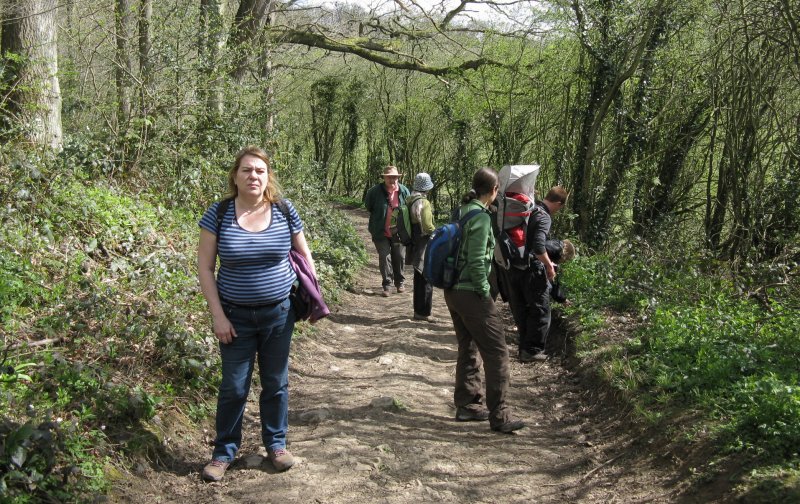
391, 261
479, 331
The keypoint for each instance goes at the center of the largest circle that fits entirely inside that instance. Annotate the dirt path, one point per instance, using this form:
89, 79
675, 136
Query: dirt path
371, 420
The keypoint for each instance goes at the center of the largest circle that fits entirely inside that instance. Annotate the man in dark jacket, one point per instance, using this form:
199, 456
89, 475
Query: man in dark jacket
530, 282
379, 202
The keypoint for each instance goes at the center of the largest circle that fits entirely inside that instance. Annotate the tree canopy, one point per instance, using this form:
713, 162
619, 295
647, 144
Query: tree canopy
659, 116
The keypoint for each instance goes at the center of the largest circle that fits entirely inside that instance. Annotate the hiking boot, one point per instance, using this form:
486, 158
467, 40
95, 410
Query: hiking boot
478, 414
509, 427
426, 318
281, 458
401, 288
214, 470
385, 293
536, 356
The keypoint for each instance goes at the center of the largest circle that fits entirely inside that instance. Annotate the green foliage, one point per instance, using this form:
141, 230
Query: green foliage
772, 483
698, 345
27, 459
46, 462
103, 274
97, 273
338, 251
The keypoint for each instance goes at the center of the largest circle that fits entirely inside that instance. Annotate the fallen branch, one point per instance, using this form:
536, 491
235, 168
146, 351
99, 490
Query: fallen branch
43, 342
612, 459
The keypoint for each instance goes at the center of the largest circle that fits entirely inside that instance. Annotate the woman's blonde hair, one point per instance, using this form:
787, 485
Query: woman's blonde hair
567, 251
273, 192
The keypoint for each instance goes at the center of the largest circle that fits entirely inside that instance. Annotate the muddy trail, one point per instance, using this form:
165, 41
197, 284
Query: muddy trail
371, 420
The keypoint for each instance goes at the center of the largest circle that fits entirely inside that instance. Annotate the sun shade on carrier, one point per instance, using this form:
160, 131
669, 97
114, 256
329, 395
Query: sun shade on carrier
515, 203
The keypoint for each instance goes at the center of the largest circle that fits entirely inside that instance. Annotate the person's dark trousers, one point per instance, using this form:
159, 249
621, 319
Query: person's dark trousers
529, 297
479, 332
391, 261
423, 295
498, 282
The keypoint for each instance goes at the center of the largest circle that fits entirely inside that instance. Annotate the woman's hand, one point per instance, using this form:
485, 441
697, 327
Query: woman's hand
223, 330
551, 271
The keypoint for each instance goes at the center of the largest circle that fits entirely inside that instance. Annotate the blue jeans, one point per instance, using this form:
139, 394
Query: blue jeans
265, 332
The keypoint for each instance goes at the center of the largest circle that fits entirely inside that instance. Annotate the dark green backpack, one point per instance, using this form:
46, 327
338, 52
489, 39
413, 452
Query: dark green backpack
400, 225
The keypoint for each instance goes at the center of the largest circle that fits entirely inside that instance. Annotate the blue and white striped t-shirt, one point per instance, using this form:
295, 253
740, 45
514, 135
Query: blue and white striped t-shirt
254, 266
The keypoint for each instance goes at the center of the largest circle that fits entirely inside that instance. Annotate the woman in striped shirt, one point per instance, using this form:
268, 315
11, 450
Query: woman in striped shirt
249, 303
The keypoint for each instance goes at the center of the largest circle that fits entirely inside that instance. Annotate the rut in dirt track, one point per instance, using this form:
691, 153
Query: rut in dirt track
371, 420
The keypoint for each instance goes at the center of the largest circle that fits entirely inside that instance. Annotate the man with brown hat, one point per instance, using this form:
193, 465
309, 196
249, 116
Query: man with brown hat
379, 202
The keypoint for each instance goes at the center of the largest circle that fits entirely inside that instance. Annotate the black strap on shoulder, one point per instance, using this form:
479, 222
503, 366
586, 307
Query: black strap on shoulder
284, 207
535, 212
222, 209
285, 211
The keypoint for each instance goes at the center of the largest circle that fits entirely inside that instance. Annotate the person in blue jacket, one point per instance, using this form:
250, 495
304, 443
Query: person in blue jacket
379, 202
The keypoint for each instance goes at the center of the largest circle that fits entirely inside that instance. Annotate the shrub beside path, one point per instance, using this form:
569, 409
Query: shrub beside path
371, 420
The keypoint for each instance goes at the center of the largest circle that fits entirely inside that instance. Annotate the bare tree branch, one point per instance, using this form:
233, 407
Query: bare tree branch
378, 52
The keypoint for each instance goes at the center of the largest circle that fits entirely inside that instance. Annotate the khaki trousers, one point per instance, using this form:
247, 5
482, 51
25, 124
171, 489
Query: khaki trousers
479, 331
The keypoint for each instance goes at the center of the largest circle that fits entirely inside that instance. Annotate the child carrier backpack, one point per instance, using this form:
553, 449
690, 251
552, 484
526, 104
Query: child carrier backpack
400, 225
441, 267
515, 205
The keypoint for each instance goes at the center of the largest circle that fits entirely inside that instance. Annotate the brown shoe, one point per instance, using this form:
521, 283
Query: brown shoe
426, 318
509, 427
478, 414
281, 458
214, 470
537, 356
400, 289
385, 293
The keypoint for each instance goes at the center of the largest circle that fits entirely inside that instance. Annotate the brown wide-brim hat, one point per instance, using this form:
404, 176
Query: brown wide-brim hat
391, 171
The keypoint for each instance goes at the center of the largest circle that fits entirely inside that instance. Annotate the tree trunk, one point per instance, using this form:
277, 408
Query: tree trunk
267, 82
351, 133
211, 43
34, 99
325, 121
632, 136
124, 33
610, 71
781, 230
246, 34
145, 61
656, 200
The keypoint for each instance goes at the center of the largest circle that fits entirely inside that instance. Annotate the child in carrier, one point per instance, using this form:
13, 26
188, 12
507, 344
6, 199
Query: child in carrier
521, 212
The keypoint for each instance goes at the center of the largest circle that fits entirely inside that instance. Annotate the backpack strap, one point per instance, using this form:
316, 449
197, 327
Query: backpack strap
470, 214
222, 209
284, 207
526, 254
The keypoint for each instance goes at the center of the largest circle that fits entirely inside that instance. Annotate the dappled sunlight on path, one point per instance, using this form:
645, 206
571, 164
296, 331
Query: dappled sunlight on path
371, 420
